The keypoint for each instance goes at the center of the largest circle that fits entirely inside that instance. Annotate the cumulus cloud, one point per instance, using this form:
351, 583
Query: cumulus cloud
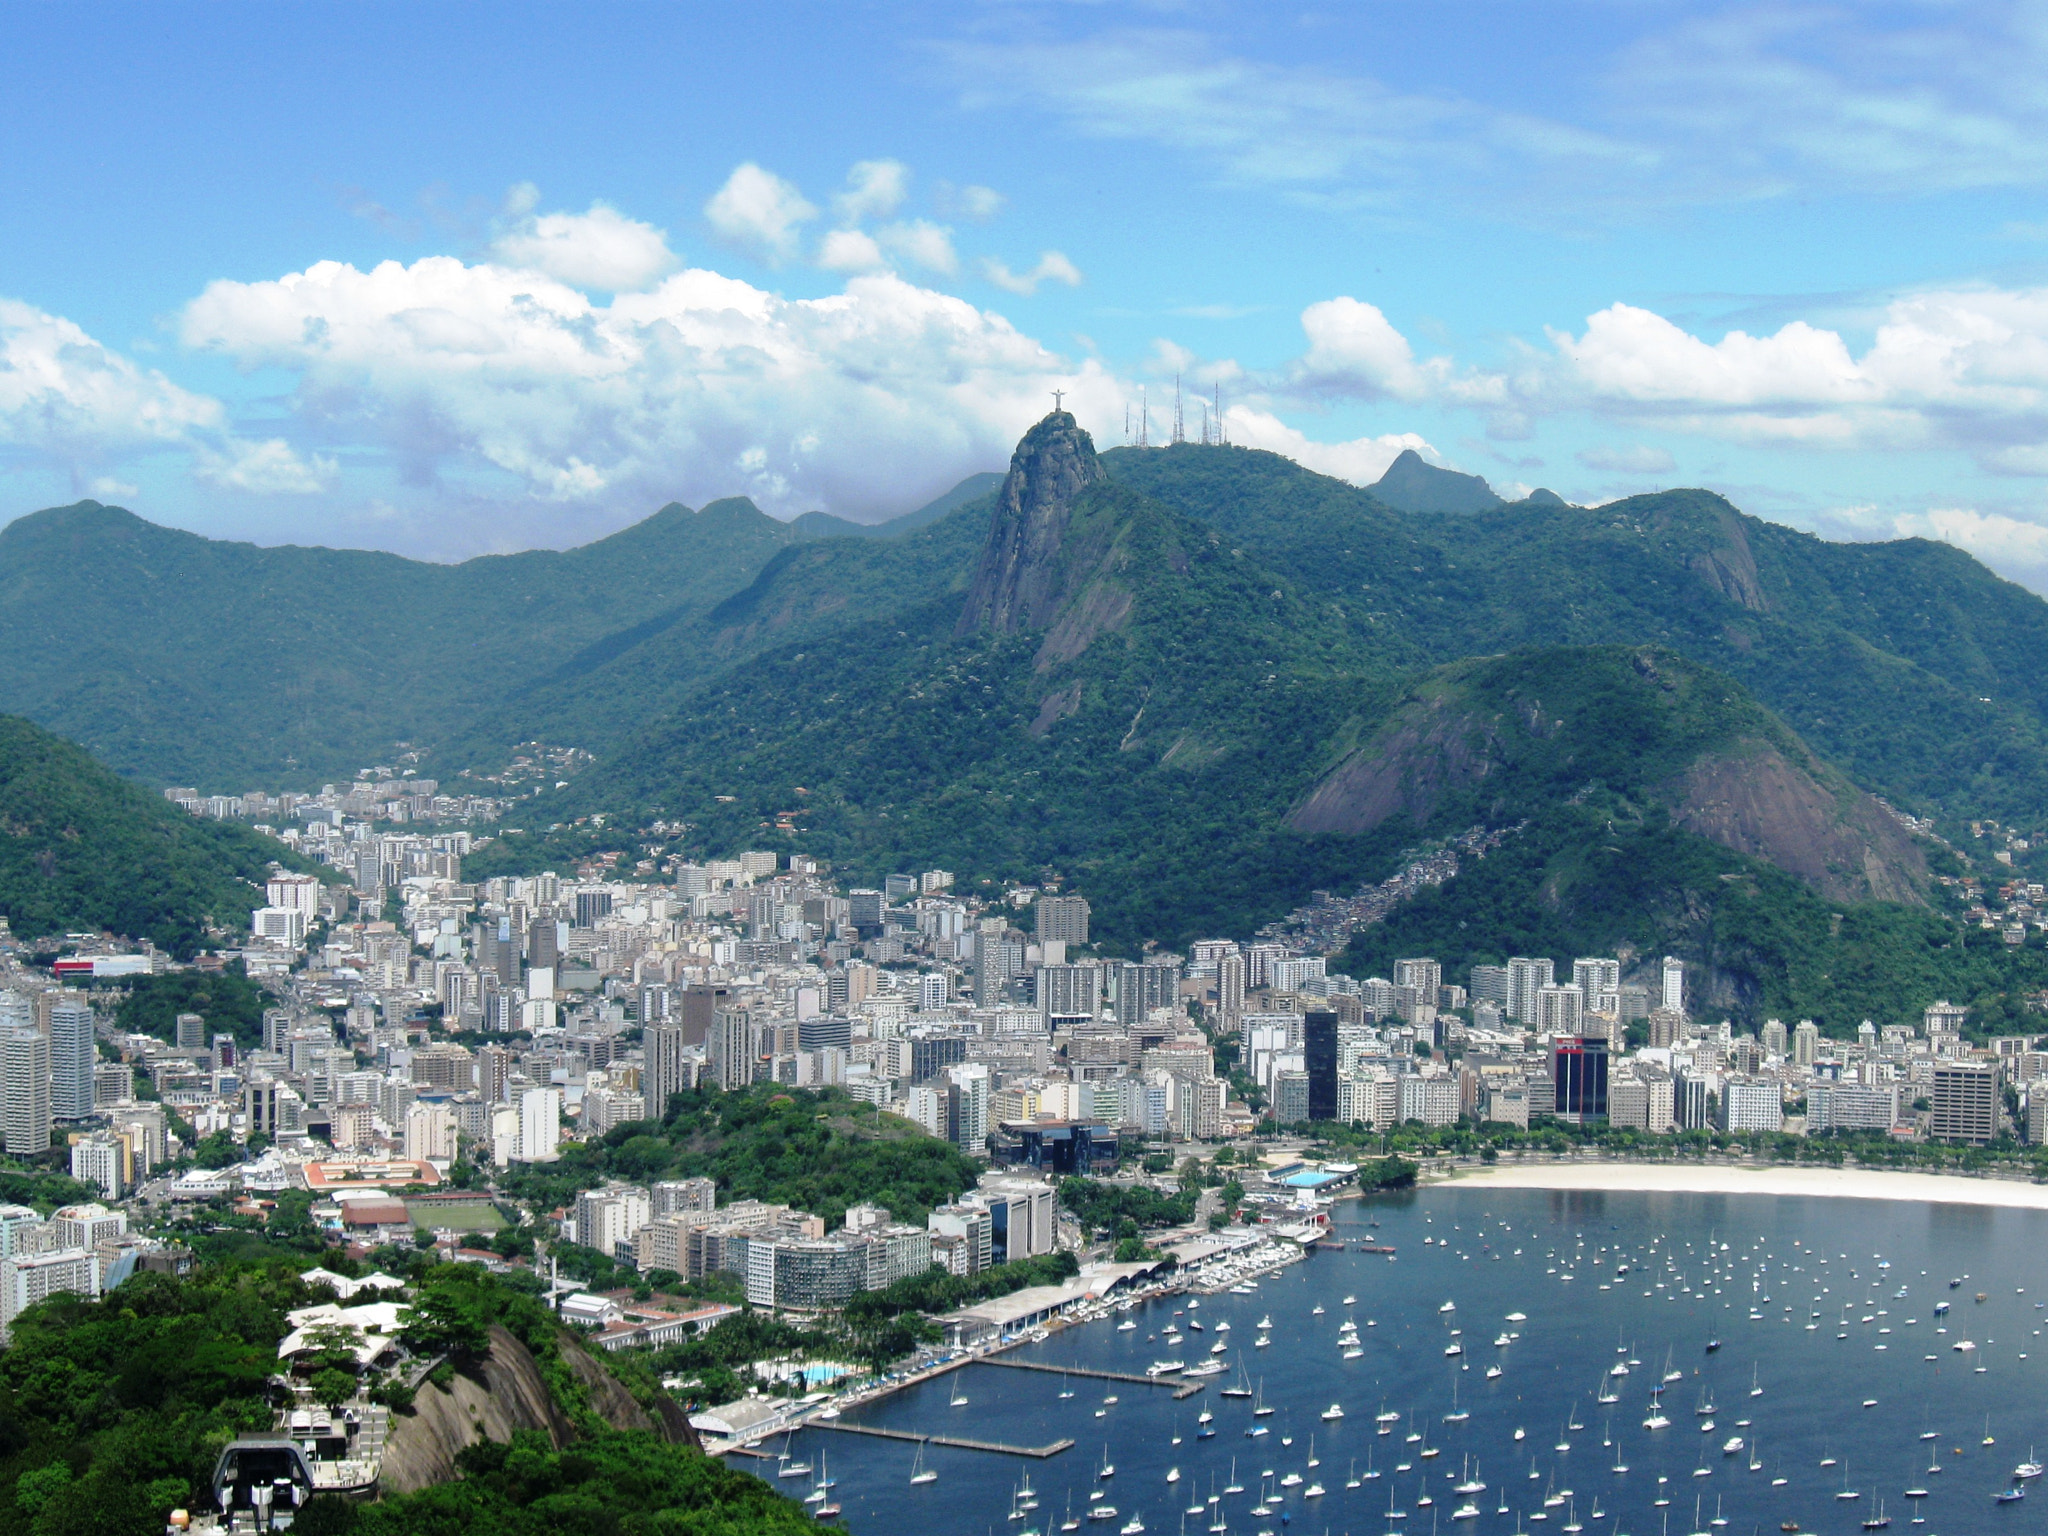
601, 249
874, 190
1052, 267
759, 211
62, 391
850, 250
979, 204
1961, 368
1355, 351
920, 243
701, 386
1360, 461
70, 400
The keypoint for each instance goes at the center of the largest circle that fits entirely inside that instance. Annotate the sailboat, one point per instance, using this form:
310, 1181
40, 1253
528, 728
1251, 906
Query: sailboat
1066, 1386
787, 1468
1260, 1409
1242, 1387
919, 1473
959, 1398
1754, 1389
1457, 1415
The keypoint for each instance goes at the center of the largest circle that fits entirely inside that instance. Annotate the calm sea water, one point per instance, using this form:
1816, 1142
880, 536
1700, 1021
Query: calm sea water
1698, 1267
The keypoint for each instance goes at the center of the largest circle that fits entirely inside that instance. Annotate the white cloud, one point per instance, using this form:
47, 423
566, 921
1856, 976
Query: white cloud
601, 249
67, 398
850, 250
1360, 461
760, 211
269, 467
874, 190
62, 392
1637, 460
1052, 268
2011, 546
979, 204
1355, 351
479, 376
1629, 353
920, 243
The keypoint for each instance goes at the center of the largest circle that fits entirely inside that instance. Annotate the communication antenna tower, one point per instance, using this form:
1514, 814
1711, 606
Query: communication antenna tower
1144, 417
1179, 436
1222, 436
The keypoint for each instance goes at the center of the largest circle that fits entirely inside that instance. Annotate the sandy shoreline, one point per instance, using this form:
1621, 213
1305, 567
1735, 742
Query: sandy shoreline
1707, 1179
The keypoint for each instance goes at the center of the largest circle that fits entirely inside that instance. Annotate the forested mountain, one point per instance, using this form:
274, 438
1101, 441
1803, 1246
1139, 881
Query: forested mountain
184, 659
1907, 663
83, 849
1115, 691
1195, 682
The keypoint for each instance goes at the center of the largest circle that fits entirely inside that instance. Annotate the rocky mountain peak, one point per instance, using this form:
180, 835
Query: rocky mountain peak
1016, 586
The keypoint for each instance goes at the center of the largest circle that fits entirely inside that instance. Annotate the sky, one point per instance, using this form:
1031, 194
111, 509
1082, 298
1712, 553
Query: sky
457, 279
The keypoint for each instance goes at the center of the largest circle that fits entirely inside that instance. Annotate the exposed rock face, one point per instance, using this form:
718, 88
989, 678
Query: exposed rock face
1757, 802
1017, 586
1404, 771
511, 1396
506, 1394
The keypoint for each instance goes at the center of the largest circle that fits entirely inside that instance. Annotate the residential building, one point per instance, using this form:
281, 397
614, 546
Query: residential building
1965, 1102
25, 1092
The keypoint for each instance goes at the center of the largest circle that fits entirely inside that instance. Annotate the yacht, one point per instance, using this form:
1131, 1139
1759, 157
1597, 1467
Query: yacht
920, 1474
1336, 1411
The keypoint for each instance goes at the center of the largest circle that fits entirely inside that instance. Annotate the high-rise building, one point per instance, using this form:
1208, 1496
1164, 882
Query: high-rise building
190, 1031
1578, 1072
1674, 984
730, 1050
669, 1067
701, 1004
1526, 979
1290, 1097
1230, 987
1600, 981
1751, 1104
1560, 1010
1425, 976
1490, 985
1069, 994
1319, 1057
1805, 1043
1062, 919
1772, 1037
968, 1107
71, 1057
25, 1092
1667, 1027
540, 1125
1965, 1102
1142, 988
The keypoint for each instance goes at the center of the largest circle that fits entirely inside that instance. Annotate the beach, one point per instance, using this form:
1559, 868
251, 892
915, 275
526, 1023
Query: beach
1722, 1179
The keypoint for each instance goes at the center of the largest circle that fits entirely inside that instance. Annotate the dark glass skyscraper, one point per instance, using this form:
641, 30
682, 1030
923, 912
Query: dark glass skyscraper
1319, 1055
1579, 1069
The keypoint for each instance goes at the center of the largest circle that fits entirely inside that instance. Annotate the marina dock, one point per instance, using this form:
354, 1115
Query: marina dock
956, 1442
1181, 1388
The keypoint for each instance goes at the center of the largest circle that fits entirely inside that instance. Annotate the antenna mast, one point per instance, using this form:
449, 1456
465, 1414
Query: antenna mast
1144, 417
1179, 436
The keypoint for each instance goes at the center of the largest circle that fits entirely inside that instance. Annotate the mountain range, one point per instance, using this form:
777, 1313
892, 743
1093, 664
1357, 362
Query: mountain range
1195, 683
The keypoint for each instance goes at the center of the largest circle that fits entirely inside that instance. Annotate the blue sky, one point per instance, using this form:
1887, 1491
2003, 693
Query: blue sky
450, 279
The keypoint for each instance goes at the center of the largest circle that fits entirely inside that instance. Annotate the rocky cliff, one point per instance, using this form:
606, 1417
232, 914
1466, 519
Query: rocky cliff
1018, 582
502, 1395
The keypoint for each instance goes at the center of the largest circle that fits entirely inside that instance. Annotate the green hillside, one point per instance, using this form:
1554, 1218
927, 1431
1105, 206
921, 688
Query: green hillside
1131, 702
1907, 663
86, 850
1144, 745
183, 659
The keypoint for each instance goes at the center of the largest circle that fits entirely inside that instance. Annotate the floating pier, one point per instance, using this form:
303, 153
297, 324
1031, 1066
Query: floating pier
956, 1442
1171, 1379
